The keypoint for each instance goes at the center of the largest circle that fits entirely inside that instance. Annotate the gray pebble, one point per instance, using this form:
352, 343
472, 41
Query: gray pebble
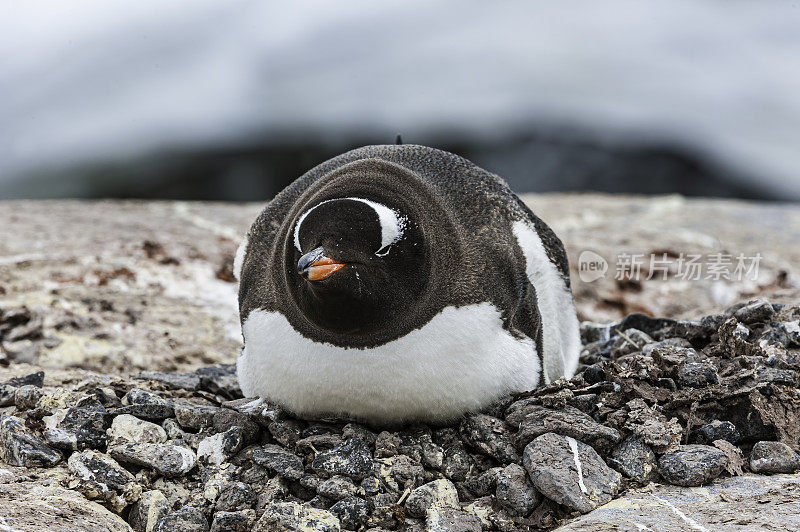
337, 488
26, 397
148, 511
351, 458
225, 418
239, 521
284, 516
20, 447
173, 430
371, 485
483, 483
451, 520
194, 416
77, 427
318, 501
315, 428
130, 429
446, 437
236, 496
719, 430
697, 374
674, 355
317, 442
220, 447
632, 341
188, 519
352, 512
776, 375
457, 463
758, 311
406, 471
280, 461
286, 432
515, 491
258, 409
669, 342
439, 493
165, 458
354, 430
146, 405
490, 436
33, 379
7, 394
432, 453
221, 380
98, 476
275, 489
387, 444
193, 439
174, 380
634, 459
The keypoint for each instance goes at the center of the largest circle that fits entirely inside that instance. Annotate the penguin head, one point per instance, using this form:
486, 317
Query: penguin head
355, 264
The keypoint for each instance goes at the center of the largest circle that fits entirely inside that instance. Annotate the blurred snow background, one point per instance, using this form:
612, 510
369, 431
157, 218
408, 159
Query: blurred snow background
232, 100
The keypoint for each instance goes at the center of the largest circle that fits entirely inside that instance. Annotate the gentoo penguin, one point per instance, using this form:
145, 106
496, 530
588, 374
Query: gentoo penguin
399, 283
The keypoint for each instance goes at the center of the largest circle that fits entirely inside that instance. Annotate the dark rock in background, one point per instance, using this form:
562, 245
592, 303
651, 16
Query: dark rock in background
531, 161
773, 457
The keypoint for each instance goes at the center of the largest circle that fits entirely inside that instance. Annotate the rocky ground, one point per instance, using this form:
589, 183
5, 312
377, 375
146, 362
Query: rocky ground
119, 407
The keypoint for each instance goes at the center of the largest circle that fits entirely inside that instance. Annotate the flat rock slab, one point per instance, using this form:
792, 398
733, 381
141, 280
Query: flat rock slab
278, 517
749, 502
568, 421
32, 507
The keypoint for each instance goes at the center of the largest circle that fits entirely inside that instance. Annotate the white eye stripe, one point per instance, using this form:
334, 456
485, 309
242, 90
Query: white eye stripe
392, 223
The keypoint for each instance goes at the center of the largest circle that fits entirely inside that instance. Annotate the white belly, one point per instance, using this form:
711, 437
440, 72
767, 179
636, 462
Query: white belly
462, 360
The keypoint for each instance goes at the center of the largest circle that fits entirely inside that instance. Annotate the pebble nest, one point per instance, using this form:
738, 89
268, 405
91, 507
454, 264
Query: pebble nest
678, 402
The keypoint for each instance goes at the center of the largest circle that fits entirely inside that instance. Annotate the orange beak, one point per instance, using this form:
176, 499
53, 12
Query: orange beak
315, 266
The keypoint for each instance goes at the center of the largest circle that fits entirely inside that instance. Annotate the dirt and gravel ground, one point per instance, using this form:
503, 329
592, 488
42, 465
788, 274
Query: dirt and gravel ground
118, 327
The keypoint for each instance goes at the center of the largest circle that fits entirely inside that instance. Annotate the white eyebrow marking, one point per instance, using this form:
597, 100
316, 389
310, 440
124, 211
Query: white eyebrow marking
393, 224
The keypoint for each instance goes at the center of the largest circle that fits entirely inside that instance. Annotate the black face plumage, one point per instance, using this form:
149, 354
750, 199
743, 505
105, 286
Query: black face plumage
359, 283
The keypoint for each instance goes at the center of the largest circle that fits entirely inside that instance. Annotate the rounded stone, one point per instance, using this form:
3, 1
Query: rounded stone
439, 493
634, 459
773, 457
515, 491
692, 465
130, 429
